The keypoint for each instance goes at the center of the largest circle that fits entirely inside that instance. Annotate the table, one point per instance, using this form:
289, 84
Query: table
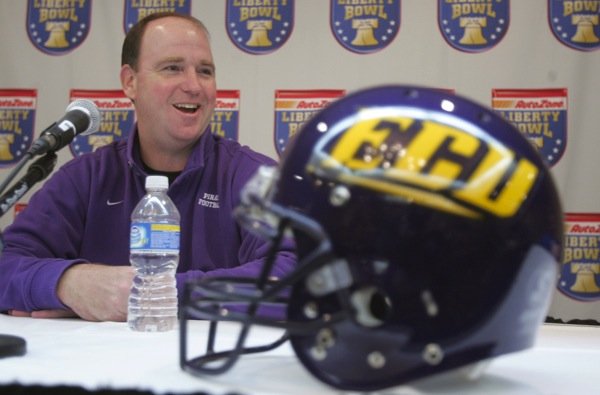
93, 355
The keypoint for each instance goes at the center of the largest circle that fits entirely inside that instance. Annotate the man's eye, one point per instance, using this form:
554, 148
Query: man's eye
206, 71
172, 67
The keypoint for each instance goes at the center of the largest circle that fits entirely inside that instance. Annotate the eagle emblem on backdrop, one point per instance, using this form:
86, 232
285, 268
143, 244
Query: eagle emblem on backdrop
58, 27
117, 119
259, 27
473, 25
365, 26
17, 123
135, 10
576, 24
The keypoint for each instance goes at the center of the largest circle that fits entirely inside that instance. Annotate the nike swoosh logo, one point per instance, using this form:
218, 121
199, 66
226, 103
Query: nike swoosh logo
109, 203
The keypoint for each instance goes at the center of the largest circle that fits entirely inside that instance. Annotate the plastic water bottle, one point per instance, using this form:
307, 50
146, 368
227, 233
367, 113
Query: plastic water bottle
154, 253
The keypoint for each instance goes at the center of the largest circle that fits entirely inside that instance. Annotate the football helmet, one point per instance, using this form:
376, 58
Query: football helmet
428, 233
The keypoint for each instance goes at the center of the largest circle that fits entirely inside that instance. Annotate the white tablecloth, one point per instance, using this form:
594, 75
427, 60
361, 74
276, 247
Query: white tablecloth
565, 360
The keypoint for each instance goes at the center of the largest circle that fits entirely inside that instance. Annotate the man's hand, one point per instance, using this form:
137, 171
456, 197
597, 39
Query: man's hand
95, 292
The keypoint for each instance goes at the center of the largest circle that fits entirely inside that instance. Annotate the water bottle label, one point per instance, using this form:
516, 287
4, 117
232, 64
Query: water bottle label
154, 238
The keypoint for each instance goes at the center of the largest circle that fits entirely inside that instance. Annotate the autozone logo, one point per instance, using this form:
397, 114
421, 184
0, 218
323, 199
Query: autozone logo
428, 163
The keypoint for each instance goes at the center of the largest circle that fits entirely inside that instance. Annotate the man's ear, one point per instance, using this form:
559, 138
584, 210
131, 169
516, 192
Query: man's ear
128, 81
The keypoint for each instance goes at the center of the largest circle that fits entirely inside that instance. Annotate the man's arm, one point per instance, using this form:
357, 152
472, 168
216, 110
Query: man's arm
42, 273
93, 292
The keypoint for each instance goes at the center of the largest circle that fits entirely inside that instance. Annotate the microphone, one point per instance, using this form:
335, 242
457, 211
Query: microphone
36, 172
82, 117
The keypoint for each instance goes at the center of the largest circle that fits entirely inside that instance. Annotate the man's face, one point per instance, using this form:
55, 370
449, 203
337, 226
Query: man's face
174, 87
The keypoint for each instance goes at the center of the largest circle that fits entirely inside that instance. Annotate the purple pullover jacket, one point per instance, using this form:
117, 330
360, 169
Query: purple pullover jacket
82, 214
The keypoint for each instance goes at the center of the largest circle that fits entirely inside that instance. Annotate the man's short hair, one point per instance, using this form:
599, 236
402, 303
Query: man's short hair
133, 40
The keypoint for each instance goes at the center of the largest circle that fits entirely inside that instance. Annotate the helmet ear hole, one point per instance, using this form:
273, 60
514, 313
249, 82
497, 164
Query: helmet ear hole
372, 307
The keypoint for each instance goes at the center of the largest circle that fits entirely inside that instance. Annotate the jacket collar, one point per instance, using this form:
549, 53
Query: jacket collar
204, 146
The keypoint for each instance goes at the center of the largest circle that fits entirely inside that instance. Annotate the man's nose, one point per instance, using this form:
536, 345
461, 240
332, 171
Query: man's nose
191, 82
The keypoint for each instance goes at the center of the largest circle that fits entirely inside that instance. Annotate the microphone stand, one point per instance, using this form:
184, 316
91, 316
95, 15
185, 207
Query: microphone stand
15, 171
36, 172
29, 155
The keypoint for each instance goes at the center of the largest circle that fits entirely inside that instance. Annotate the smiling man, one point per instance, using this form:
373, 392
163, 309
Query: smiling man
169, 73
67, 253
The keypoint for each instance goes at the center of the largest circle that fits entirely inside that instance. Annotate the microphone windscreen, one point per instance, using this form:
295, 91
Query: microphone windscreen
89, 108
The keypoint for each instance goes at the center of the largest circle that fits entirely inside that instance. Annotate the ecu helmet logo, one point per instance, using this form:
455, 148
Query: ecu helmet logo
435, 163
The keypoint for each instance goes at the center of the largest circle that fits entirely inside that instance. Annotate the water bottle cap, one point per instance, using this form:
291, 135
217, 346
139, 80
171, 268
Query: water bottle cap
157, 182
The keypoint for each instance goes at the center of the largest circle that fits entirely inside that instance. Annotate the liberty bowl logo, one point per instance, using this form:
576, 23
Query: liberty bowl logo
365, 28
580, 273
57, 28
258, 28
135, 11
575, 23
472, 25
17, 123
117, 120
